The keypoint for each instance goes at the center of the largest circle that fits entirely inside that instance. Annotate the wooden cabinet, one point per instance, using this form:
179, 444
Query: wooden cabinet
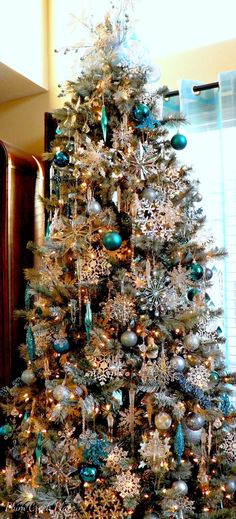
20, 221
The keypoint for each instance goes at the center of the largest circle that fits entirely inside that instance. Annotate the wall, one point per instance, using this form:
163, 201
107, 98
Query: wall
22, 120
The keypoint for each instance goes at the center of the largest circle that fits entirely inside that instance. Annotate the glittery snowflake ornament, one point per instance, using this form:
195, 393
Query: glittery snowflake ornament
117, 459
229, 447
199, 376
157, 219
127, 484
95, 266
121, 308
105, 368
155, 452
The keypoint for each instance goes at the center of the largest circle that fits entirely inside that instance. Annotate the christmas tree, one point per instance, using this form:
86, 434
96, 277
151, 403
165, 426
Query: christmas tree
123, 410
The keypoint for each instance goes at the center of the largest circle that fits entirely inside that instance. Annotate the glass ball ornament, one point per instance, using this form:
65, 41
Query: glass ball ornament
28, 377
192, 342
149, 194
163, 421
178, 141
6, 430
129, 338
88, 474
61, 345
93, 207
112, 240
188, 258
140, 112
61, 159
177, 363
196, 272
214, 376
208, 274
180, 486
230, 485
61, 393
195, 421
193, 436
192, 292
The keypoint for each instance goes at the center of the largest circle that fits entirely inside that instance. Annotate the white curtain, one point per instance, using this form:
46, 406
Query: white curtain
211, 134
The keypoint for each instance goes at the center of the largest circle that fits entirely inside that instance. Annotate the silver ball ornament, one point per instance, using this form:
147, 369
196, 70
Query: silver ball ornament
61, 393
28, 377
177, 363
192, 342
149, 194
163, 421
152, 354
129, 338
193, 436
180, 486
150, 515
230, 486
195, 421
93, 207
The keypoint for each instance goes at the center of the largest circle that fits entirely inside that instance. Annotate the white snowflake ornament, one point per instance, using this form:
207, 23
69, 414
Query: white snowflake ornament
127, 484
229, 447
199, 376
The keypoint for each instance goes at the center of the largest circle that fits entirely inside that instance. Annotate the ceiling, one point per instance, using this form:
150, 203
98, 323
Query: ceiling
13, 85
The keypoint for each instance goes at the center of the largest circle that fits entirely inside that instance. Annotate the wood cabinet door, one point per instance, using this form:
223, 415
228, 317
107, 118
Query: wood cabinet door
18, 207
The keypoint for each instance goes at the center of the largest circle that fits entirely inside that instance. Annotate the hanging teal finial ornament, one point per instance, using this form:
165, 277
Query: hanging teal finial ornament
39, 448
88, 320
48, 226
104, 122
179, 443
30, 343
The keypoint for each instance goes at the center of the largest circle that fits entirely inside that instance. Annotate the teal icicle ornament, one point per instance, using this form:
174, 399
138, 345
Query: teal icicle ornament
39, 448
88, 320
179, 443
104, 122
48, 226
30, 343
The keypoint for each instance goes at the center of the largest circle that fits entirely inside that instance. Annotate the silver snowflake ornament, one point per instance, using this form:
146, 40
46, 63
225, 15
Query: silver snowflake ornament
229, 447
155, 452
199, 376
157, 219
127, 484
105, 368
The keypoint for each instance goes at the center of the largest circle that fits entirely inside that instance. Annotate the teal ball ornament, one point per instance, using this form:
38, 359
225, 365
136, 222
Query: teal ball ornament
178, 141
214, 376
6, 430
61, 159
61, 345
196, 272
112, 240
140, 112
88, 474
129, 339
192, 292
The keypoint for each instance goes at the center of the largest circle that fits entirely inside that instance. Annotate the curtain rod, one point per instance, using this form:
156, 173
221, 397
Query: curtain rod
196, 89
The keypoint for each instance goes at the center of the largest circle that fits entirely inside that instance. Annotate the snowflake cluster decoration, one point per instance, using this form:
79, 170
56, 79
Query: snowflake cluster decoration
121, 308
159, 373
117, 458
94, 266
155, 452
105, 368
199, 376
229, 447
127, 484
157, 219
101, 503
179, 504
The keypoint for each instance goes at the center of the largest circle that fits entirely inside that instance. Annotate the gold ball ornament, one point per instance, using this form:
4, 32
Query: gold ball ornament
28, 377
163, 421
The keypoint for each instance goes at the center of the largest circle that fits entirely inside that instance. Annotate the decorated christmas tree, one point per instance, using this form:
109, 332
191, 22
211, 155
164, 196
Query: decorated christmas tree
123, 409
